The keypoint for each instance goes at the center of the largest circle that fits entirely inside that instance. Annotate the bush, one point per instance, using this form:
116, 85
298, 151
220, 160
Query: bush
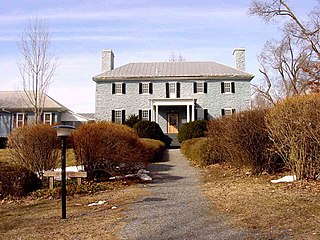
198, 150
154, 149
195, 129
17, 181
107, 149
35, 147
147, 129
243, 140
131, 120
295, 130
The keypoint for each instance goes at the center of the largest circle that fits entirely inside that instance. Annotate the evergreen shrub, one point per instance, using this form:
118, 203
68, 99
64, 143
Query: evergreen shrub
148, 129
195, 129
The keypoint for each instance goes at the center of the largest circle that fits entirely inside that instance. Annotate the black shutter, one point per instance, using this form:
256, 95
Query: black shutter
123, 88
167, 90
25, 119
195, 87
140, 114
233, 87
113, 115
53, 118
123, 115
205, 87
113, 88
196, 114
222, 87
178, 90
149, 114
222, 112
150, 88
140, 88
233, 111
205, 114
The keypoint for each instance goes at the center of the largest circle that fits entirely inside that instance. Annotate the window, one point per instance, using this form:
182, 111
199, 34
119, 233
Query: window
118, 88
227, 87
145, 115
118, 116
200, 87
227, 111
20, 119
47, 118
173, 90
145, 87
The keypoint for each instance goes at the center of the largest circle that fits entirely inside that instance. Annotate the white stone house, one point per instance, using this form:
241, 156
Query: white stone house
171, 93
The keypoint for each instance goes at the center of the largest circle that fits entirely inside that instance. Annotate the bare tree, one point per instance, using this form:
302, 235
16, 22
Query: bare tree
299, 33
282, 66
37, 64
308, 30
176, 58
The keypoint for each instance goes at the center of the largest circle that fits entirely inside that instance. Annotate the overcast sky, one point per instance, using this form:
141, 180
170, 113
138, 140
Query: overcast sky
136, 31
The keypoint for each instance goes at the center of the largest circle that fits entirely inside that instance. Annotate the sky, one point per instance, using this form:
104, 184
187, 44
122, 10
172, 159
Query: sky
136, 31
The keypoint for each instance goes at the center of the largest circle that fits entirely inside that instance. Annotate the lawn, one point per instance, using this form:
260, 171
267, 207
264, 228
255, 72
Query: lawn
71, 161
275, 210
41, 219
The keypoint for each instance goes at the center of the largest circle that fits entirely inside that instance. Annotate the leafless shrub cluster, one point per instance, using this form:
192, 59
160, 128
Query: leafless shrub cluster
294, 128
106, 149
35, 147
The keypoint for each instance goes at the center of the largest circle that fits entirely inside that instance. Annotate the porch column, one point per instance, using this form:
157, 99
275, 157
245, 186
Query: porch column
152, 111
157, 114
188, 113
192, 112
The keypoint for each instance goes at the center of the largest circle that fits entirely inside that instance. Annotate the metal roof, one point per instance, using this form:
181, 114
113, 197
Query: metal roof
185, 70
18, 100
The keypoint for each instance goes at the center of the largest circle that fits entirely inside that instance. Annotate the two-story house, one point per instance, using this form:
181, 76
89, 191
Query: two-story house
171, 93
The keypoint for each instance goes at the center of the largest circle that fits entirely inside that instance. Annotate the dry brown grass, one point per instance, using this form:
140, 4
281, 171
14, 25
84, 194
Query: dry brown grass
41, 219
276, 210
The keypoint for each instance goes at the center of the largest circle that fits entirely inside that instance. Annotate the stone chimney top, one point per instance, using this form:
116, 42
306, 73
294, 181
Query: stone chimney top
107, 60
239, 58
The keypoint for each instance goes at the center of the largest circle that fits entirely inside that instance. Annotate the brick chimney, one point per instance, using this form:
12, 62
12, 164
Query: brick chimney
107, 60
239, 58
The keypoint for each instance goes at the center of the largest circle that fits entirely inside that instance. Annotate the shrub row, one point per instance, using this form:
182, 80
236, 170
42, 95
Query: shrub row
240, 140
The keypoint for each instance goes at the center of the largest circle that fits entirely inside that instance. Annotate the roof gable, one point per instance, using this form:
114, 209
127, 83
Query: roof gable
18, 100
172, 69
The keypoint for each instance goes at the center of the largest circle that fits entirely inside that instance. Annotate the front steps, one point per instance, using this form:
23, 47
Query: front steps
172, 140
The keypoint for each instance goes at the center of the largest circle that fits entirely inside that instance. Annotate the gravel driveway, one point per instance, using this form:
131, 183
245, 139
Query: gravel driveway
176, 209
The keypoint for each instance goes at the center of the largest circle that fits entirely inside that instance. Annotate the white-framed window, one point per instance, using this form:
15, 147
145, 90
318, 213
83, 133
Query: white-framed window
118, 88
20, 119
200, 87
227, 87
118, 116
47, 118
145, 115
172, 90
145, 88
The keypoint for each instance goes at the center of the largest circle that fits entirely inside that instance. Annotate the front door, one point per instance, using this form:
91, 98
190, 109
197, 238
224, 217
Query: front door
173, 122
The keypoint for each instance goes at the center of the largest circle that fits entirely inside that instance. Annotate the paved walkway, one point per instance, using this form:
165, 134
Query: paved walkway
176, 209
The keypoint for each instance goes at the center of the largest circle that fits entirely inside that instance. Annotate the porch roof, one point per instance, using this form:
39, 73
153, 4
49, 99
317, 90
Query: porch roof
172, 101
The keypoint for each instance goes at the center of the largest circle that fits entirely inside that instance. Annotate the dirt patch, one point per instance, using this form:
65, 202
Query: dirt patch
287, 210
41, 219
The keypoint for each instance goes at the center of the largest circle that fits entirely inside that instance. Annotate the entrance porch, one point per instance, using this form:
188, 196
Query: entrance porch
170, 113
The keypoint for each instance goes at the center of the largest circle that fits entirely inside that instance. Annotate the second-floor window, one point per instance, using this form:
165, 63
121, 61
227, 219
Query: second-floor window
227, 87
118, 88
199, 87
145, 88
173, 90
